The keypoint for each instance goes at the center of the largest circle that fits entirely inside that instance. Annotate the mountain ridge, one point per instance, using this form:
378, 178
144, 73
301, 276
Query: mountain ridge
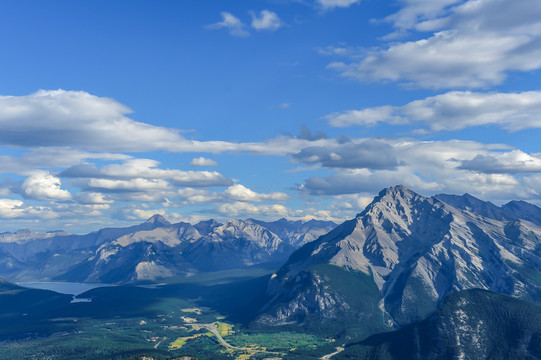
416, 250
151, 250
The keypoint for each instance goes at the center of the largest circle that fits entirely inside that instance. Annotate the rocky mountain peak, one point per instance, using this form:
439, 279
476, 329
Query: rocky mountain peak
395, 206
23, 232
417, 250
398, 194
247, 230
207, 226
523, 210
158, 220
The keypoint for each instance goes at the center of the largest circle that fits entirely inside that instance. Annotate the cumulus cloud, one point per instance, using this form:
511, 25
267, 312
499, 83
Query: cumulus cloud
137, 213
231, 23
41, 185
77, 119
453, 110
17, 209
371, 154
236, 193
10, 208
420, 13
364, 117
201, 162
493, 172
242, 193
362, 181
495, 187
243, 209
147, 169
76, 124
51, 157
471, 44
92, 198
330, 4
515, 161
194, 196
135, 185
267, 20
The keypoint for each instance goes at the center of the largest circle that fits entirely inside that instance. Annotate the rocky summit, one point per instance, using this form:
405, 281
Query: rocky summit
403, 255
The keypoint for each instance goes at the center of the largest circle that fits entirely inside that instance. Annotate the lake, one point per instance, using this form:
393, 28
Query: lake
69, 288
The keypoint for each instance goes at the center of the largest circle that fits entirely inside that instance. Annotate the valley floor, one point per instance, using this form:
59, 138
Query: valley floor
138, 322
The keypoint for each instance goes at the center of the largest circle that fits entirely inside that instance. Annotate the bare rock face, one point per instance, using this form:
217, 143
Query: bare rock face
153, 250
416, 250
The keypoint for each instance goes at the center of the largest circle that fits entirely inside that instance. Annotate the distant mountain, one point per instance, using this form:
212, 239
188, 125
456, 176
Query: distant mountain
523, 210
471, 324
137, 261
25, 244
237, 243
297, 233
183, 249
5, 285
155, 249
29, 256
206, 227
404, 254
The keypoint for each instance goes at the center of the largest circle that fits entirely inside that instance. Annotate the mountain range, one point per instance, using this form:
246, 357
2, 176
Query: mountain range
410, 277
152, 250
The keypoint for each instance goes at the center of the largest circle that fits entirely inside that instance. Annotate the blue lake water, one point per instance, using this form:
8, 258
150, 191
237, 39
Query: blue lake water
69, 288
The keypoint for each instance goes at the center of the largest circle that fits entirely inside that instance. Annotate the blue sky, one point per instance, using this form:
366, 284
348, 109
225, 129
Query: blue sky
111, 111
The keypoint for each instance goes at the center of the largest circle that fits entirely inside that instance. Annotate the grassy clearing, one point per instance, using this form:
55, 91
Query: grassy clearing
181, 341
192, 310
224, 329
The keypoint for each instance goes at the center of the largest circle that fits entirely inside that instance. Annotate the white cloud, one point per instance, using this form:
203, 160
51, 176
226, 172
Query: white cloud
237, 193
362, 181
232, 23
515, 161
10, 208
241, 193
136, 213
267, 20
244, 209
201, 161
148, 169
363, 153
415, 13
364, 117
79, 120
492, 172
72, 123
454, 110
472, 44
194, 196
137, 184
17, 209
330, 4
51, 158
93, 198
41, 185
